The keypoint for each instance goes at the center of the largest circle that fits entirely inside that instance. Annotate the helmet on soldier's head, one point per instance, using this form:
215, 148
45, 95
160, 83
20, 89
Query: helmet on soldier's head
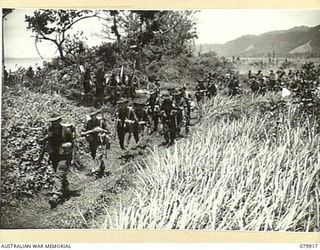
94, 113
55, 117
166, 96
123, 101
176, 93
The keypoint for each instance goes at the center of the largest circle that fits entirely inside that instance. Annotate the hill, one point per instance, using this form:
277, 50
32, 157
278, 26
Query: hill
300, 40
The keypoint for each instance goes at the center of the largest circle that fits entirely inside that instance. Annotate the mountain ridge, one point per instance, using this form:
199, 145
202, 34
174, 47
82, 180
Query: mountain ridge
282, 42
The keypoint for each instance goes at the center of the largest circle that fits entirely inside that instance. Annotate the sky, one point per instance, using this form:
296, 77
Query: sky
214, 26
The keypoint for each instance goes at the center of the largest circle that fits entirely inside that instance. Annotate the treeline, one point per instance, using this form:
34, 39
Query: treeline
148, 44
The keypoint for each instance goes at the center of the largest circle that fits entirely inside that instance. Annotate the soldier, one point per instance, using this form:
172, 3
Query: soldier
59, 144
132, 124
199, 95
272, 81
153, 104
171, 91
168, 115
212, 89
188, 100
122, 115
113, 85
180, 105
201, 84
142, 118
91, 132
259, 75
30, 72
183, 92
157, 85
132, 86
233, 85
201, 90
96, 134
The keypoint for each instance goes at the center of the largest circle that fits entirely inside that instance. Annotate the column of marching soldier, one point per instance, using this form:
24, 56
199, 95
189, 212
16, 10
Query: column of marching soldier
166, 113
170, 111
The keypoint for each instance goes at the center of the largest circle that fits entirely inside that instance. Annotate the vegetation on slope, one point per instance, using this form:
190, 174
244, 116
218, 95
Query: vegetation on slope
250, 165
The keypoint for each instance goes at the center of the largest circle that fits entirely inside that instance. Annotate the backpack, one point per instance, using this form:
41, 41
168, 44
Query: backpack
68, 135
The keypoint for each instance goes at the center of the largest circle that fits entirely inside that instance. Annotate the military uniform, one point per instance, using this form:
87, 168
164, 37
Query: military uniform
233, 85
201, 84
95, 131
122, 115
157, 85
254, 85
168, 115
132, 125
59, 146
212, 90
142, 117
113, 87
93, 138
153, 104
200, 91
179, 105
272, 80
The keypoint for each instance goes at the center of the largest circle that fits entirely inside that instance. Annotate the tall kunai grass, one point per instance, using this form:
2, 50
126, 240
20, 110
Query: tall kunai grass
246, 167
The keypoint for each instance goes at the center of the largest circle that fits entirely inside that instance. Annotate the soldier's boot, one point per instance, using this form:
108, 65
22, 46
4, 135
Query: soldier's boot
156, 122
99, 173
121, 139
136, 137
54, 201
187, 130
129, 139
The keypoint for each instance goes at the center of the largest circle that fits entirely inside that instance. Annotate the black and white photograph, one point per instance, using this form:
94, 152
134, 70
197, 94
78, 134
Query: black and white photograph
195, 119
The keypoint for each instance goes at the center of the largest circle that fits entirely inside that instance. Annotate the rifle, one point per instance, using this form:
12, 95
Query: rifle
95, 130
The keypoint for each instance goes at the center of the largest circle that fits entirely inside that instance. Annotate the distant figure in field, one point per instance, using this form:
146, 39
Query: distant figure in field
272, 80
30, 73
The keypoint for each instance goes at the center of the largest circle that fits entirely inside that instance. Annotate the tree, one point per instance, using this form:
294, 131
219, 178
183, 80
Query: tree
152, 35
54, 25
